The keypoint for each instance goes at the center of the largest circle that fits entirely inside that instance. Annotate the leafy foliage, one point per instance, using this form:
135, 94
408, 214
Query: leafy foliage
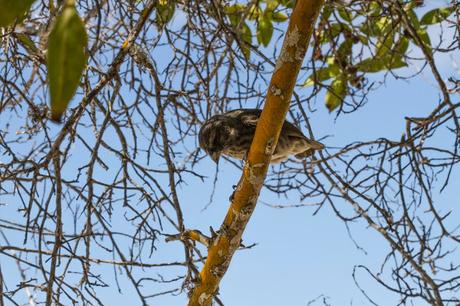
342, 28
371, 37
262, 15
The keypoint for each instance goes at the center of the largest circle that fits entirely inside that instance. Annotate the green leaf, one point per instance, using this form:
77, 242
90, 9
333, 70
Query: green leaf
384, 44
339, 28
165, 12
26, 42
333, 30
279, 17
394, 63
401, 46
326, 12
246, 35
423, 34
335, 94
412, 4
10, 10
322, 74
437, 15
287, 3
377, 64
363, 39
66, 59
331, 60
233, 9
271, 5
383, 25
369, 28
344, 49
370, 9
375, 8
370, 65
234, 19
344, 14
264, 31
254, 12
375, 27
413, 19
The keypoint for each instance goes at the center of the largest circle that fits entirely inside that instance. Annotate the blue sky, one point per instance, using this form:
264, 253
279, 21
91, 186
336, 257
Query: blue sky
298, 256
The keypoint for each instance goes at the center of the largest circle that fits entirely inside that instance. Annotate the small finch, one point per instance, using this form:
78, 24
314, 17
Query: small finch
231, 134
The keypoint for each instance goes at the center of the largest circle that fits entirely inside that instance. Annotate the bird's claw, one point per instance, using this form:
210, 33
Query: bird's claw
233, 193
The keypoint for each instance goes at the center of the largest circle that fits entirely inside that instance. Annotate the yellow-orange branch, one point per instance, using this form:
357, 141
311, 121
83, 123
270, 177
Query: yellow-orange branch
279, 94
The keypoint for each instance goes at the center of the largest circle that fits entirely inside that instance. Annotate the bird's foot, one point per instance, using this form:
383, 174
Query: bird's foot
232, 196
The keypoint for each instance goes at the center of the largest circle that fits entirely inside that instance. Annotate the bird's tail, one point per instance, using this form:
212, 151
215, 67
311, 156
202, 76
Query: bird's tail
313, 145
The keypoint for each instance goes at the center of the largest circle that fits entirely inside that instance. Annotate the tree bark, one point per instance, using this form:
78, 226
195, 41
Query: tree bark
224, 245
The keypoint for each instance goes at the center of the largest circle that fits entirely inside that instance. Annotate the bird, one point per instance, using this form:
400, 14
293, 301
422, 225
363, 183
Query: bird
231, 134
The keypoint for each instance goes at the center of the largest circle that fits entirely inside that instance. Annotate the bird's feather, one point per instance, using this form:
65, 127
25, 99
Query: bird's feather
231, 134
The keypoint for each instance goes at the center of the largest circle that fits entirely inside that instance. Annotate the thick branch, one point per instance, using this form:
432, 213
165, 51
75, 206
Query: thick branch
266, 137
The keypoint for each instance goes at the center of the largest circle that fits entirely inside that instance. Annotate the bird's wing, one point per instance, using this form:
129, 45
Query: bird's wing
251, 116
291, 130
248, 117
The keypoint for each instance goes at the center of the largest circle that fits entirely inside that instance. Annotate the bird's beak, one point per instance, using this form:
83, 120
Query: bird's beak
215, 157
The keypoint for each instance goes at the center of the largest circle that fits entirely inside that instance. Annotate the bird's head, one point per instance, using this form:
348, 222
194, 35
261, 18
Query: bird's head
213, 136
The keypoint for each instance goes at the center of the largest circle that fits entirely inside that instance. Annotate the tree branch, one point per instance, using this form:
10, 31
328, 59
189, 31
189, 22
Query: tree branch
266, 137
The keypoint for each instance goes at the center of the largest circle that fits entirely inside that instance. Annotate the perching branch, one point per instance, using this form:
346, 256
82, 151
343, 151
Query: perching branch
266, 137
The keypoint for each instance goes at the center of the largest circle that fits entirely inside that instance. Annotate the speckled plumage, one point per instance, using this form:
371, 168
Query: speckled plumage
231, 134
